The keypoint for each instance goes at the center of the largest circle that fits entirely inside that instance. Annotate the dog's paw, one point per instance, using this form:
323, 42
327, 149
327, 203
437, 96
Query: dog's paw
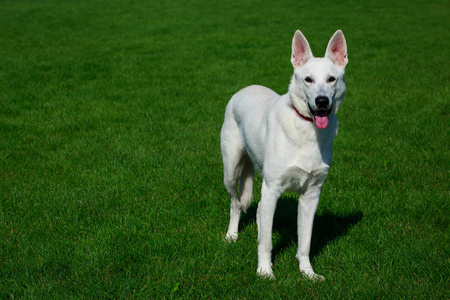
265, 273
231, 237
313, 276
307, 270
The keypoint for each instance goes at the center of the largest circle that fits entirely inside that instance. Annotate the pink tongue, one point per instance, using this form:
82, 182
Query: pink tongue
321, 122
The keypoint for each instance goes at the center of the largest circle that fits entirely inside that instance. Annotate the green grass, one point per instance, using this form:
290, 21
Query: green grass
110, 167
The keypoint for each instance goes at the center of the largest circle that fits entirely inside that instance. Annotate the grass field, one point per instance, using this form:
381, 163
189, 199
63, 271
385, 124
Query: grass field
110, 165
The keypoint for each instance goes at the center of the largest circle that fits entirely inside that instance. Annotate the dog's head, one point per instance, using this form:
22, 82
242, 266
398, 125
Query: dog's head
318, 83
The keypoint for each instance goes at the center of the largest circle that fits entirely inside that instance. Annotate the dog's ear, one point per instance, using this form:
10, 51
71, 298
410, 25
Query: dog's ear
301, 51
337, 49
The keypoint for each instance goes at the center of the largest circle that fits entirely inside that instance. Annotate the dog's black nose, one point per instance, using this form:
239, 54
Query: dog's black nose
322, 101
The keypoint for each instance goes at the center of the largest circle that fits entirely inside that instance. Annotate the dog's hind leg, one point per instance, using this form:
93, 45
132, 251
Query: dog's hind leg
231, 184
244, 170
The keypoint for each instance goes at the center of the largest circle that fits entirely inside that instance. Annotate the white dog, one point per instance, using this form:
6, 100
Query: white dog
288, 139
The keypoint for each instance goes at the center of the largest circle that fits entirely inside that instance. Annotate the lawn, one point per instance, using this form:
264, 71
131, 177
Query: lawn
110, 165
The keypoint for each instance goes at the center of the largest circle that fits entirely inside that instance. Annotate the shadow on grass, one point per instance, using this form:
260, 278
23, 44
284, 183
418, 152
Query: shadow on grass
327, 226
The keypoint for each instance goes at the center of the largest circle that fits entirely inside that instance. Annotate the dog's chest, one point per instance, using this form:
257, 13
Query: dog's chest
306, 170
300, 162
297, 163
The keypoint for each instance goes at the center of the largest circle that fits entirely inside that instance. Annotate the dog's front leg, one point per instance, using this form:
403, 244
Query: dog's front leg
265, 214
307, 206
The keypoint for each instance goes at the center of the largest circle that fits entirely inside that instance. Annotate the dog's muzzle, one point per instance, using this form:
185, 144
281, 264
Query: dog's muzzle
322, 112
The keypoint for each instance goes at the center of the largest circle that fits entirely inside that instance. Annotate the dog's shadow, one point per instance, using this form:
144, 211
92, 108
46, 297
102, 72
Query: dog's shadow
327, 226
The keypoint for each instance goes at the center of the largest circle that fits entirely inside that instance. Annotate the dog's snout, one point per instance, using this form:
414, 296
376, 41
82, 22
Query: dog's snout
322, 102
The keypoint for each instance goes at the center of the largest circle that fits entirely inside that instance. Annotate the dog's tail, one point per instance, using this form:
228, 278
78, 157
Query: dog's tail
246, 185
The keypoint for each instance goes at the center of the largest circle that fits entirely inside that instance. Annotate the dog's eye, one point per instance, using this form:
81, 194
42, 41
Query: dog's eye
331, 79
308, 79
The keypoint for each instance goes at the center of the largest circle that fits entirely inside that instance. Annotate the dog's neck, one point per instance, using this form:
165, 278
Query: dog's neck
300, 106
303, 116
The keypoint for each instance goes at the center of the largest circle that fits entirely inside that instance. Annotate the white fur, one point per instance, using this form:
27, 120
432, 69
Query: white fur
263, 131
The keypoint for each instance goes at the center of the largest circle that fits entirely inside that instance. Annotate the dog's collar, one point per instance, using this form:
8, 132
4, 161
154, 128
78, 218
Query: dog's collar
302, 116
